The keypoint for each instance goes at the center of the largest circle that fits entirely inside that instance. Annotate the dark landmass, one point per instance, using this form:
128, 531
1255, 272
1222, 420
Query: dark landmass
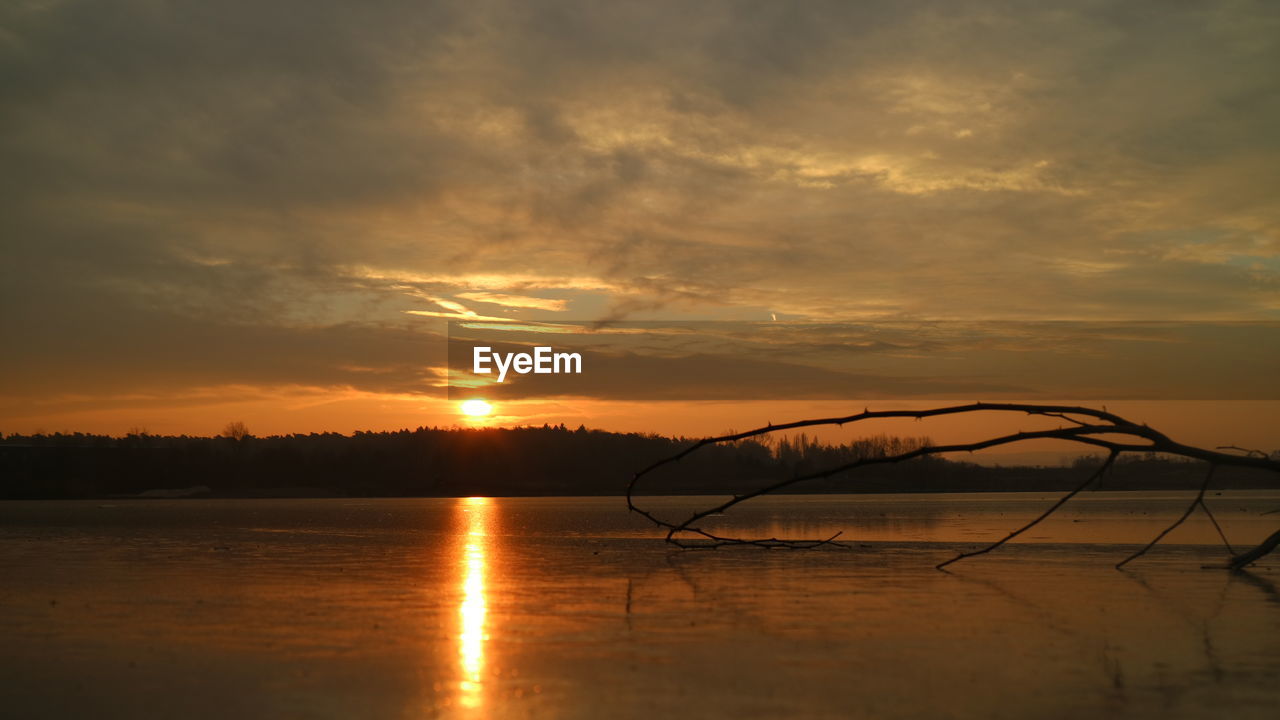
527, 461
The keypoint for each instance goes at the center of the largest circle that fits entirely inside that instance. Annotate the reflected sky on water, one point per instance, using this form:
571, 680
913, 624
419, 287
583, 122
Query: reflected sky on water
567, 607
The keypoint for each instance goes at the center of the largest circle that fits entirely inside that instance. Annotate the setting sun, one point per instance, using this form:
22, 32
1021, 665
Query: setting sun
475, 408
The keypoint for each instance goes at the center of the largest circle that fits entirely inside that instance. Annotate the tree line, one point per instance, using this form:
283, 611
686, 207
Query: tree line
515, 461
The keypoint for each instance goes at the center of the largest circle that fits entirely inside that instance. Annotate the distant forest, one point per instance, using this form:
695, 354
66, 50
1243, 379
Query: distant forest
528, 461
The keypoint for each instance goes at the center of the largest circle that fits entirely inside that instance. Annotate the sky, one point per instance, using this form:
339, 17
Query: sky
270, 212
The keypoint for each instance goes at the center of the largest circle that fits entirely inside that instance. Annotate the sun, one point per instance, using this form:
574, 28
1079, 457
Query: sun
475, 408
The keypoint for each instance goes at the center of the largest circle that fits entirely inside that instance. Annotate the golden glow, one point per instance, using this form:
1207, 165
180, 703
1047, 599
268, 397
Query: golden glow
474, 607
475, 408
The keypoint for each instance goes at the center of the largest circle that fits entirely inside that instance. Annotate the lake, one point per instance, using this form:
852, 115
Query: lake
572, 608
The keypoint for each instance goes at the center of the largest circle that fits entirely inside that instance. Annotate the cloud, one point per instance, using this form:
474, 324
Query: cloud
235, 173
456, 309
860, 361
452, 315
516, 301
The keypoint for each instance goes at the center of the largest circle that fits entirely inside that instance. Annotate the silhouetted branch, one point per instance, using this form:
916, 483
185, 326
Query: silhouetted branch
1242, 560
1061, 501
1185, 514
1247, 451
1216, 526
1089, 426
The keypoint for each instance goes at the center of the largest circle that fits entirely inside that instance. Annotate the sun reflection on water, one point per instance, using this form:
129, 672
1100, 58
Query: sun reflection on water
474, 606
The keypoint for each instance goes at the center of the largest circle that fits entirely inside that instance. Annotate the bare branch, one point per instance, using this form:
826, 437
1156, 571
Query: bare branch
1186, 514
1216, 526
1089, 426
1247, 451
1242, 560
1111, 458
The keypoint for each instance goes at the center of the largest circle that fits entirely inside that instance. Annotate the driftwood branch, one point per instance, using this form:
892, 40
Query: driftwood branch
1087, 426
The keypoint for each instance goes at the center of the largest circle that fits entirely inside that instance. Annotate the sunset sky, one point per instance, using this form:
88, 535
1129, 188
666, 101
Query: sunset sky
269, 212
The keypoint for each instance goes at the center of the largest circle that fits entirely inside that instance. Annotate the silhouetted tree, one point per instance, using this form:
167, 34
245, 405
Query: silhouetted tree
236, 431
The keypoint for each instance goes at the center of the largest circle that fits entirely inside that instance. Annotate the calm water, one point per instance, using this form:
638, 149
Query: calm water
570, 608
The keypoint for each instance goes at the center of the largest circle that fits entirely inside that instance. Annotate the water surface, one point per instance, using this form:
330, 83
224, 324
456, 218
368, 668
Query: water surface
570, 608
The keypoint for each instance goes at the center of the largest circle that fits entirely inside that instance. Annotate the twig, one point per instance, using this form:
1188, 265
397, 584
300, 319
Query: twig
1247, 451
1111, 457
1216, 526
1186, 514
